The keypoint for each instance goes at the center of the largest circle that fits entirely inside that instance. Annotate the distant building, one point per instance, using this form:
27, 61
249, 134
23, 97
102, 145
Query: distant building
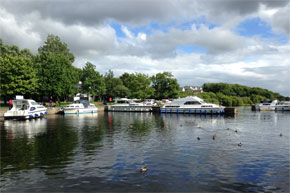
192, 89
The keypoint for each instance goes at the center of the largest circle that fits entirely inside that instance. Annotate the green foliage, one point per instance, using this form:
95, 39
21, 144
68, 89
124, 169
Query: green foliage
240, 91
17, 76
165, 85
92, 82
138, 84
54, 63
114, 86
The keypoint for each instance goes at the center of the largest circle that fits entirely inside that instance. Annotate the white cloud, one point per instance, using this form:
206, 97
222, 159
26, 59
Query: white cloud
229, 57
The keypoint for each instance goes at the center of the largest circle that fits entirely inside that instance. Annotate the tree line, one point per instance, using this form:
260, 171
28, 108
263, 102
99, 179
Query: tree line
235, 94
50, 72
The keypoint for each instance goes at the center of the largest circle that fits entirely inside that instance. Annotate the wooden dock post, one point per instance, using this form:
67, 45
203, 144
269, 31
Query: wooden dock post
231, 111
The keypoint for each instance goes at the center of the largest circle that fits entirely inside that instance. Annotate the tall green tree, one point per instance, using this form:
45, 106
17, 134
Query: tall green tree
18, 76
165, 85
139, 85
92, 81
114, 86
54, 64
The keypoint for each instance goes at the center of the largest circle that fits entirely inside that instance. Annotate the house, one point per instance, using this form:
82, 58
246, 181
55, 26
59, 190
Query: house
192, 89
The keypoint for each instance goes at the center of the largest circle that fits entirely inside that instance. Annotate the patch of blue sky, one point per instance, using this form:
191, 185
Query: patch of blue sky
198, 22
191, 49
155, 26
257, 27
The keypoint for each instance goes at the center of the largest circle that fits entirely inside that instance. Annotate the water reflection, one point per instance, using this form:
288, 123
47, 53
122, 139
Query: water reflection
28, 128
104, 152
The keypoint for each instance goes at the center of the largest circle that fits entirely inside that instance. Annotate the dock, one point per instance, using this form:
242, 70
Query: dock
229, 111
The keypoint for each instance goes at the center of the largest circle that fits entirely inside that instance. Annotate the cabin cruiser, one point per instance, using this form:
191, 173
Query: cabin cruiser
149, 102
267, 105
25, 109
283, 106
80, 107
125, 104
191, 104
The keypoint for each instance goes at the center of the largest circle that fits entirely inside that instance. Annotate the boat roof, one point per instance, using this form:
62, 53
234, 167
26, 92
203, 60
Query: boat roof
29, 100
190, 98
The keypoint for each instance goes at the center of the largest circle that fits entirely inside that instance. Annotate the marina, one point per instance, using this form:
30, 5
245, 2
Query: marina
130, 151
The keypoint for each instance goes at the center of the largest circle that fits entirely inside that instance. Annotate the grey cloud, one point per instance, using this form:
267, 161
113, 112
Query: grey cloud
92, 12
281, 21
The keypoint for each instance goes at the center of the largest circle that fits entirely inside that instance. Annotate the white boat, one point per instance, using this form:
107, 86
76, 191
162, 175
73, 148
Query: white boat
25, 109
267, 105
283, 106
80, 108
149, 102
130, 105
191, 104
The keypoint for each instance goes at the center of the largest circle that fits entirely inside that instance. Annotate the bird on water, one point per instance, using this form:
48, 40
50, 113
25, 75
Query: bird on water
144, 169
240, 144
198, 138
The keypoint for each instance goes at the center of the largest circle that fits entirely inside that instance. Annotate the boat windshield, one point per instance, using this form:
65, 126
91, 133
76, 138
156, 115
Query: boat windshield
122, 102
34, 103
21, 105
192, 103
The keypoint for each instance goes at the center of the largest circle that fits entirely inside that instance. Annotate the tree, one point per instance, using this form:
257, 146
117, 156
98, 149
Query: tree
165, 85
92, 82
54, 64
17, 76
114, 86
138, 84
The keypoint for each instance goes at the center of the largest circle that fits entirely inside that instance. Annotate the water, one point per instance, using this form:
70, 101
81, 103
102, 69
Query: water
105, 151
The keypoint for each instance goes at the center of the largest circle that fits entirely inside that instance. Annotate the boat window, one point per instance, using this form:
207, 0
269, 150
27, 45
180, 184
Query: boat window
122, 102
192, 103
34, 103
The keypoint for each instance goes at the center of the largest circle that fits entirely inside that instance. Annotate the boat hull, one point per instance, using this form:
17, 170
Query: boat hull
80, 111
24, 114
282, 108
215, 110
130, 108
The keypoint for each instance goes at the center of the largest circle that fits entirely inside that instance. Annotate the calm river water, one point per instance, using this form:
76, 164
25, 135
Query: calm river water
105, 151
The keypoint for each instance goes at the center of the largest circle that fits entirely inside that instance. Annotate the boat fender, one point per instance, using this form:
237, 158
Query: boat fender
36, 115
30, 116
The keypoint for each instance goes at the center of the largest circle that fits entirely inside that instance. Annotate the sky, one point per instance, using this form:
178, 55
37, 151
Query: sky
203, 41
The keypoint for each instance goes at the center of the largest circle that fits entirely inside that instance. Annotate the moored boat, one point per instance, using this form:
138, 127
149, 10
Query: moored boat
191, 104
25, 109
283, 106
267, 105
129, 105
80, 108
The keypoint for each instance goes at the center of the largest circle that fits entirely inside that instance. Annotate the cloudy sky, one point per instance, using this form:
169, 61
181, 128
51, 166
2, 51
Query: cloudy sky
234, 41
